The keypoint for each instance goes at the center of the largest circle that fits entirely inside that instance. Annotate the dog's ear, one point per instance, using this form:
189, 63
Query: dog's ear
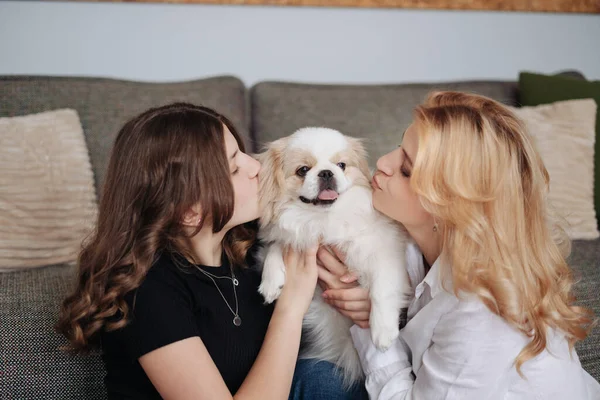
271, 179
361, 158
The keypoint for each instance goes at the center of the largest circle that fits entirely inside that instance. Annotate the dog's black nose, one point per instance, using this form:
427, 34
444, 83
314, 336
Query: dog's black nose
325, 174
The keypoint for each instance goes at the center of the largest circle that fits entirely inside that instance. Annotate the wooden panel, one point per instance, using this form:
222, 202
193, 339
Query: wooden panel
561, 6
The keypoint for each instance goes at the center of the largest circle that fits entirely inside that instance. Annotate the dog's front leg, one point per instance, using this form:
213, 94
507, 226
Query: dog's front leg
388, 288
273, 274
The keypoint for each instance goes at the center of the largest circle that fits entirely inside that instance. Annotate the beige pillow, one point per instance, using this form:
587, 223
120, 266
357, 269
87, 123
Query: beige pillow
47, 195
564, 133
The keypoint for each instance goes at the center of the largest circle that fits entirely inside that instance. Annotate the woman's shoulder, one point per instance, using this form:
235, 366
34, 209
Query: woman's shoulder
469, 317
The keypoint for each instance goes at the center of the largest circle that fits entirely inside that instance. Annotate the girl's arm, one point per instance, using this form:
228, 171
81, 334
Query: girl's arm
185, 370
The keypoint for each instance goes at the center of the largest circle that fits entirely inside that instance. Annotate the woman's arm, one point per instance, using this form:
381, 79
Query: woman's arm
341, 288
469, 357
185, 370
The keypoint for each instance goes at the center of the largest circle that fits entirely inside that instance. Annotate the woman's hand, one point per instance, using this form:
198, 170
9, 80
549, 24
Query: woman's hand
341, 289
300, 279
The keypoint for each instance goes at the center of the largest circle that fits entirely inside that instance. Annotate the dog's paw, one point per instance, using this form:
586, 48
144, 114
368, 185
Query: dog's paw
271, 285
383, 333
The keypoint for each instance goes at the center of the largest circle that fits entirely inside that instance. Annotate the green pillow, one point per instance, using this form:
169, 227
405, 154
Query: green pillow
535, 89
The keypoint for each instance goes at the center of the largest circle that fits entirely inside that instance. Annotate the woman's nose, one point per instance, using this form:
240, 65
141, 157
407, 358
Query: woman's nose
384, 165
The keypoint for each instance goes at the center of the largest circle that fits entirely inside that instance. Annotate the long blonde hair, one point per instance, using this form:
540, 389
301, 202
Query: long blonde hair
478, 173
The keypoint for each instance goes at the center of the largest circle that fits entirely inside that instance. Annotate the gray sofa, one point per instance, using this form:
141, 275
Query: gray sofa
31, 366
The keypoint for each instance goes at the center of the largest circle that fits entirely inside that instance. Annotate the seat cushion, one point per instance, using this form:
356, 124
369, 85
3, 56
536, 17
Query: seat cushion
32, 365
585, 261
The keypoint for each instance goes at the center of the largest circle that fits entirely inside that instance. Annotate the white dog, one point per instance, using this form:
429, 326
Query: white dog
315, 187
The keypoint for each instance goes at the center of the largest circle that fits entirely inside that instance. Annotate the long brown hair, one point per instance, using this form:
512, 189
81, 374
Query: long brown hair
163, 162
478, 172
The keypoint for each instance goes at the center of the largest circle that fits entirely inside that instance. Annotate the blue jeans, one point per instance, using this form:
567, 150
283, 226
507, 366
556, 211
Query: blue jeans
316, 380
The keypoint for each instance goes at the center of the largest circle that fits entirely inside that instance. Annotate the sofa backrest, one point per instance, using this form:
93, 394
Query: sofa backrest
104, 105
30, 300
31, 364
378, 113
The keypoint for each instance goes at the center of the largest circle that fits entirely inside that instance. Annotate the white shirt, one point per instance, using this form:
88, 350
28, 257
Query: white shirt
458, 349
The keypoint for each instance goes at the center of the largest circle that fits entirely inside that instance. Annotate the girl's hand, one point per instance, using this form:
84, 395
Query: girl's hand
300, 279
341, 289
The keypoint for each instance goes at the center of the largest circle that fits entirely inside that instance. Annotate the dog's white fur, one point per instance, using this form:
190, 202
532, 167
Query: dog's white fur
374, 246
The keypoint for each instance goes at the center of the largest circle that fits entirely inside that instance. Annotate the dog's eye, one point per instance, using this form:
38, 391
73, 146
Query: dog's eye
301, 172
342, 165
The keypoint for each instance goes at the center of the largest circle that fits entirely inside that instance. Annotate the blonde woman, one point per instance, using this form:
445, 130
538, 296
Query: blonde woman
492, 315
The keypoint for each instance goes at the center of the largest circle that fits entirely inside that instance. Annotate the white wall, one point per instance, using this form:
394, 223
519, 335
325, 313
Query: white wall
167, 42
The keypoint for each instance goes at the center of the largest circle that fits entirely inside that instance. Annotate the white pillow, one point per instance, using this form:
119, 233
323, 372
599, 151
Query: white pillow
47, 194
564, 134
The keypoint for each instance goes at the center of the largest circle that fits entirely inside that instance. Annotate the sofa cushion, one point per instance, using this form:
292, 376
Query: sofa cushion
47, 201
31, 364
563, 133
535, 89
378, 113
104, 105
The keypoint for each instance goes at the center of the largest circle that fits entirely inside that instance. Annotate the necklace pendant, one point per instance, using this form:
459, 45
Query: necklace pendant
235, 281
237, 321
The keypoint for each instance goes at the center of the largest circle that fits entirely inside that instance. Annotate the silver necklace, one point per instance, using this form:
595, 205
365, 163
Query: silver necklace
237, 321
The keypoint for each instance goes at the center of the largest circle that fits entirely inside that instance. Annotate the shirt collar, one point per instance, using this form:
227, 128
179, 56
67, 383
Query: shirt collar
416, 272
433, 278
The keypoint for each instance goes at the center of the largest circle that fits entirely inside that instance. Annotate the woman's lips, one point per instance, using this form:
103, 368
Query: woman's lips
374, 183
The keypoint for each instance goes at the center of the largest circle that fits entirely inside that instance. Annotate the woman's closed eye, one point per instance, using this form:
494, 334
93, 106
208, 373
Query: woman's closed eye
235, 171
405, 172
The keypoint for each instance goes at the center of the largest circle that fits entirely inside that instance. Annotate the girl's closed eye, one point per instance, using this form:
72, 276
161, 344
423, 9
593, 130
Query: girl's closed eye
237, 169
405, 172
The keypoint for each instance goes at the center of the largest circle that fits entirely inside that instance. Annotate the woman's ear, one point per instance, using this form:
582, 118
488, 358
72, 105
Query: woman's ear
271, 179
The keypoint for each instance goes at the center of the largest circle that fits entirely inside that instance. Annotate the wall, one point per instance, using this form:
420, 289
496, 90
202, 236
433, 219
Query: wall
172, 42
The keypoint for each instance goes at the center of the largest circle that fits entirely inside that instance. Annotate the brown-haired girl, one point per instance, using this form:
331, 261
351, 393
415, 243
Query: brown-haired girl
166, 285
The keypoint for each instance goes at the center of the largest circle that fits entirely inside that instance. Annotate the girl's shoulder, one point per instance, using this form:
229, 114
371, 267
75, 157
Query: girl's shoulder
164, 280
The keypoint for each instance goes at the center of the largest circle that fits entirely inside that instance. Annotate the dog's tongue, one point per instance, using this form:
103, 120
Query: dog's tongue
328, 195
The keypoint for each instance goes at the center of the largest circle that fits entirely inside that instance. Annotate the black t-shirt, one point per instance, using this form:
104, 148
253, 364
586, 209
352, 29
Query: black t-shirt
176, 301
